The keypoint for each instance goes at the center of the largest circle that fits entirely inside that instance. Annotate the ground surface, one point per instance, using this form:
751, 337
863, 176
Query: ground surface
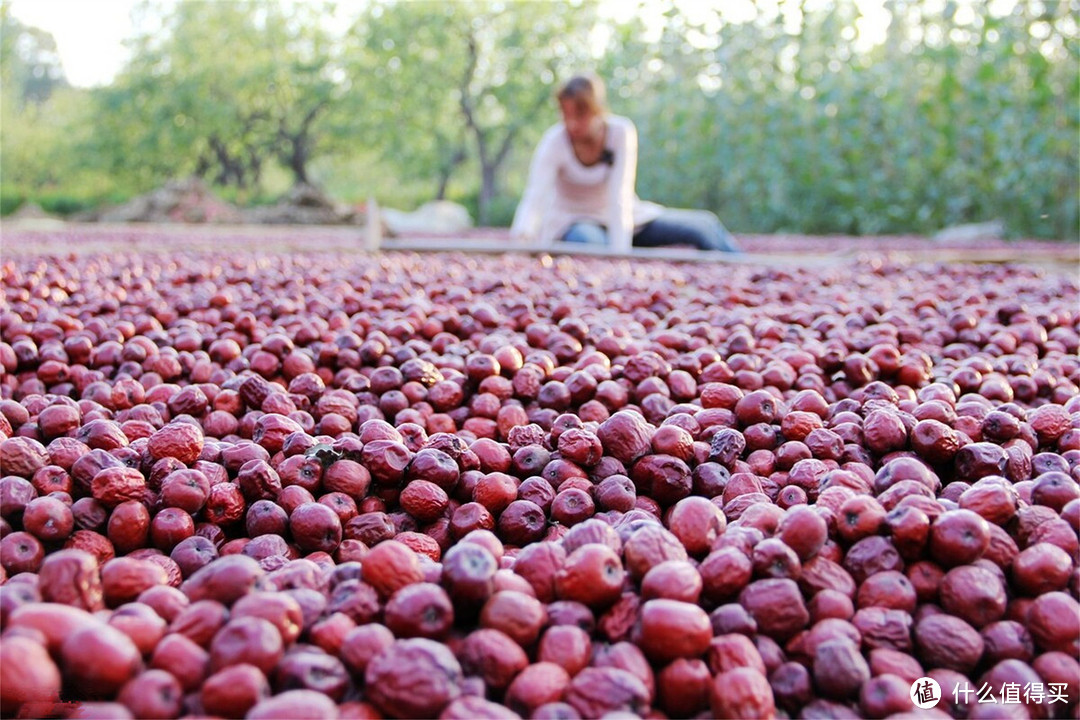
58, 238
856, 331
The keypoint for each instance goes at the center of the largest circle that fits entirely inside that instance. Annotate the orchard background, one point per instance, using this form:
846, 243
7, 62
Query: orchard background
786, 117
281, 473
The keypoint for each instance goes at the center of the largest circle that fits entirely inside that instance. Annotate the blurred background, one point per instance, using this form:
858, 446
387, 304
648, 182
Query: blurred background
809, 116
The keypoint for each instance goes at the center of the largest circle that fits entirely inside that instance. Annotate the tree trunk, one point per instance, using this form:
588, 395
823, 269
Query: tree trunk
254, 167
299, 144
444, 180
490, 151
231, 170
202, 167
446, 170
298, 160
488, 192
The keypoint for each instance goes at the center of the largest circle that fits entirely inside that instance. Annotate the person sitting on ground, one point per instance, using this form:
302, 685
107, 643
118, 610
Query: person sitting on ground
581, 185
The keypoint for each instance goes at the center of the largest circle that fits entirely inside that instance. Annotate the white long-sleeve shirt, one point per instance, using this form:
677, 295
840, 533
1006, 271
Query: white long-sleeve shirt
561, 190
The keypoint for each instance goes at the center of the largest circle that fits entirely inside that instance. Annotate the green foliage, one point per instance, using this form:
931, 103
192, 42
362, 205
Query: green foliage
787, 121
71, 198
437, 83
65, 203
227, 89
402, 63
954, 118
30, 68
40, 116
10, 201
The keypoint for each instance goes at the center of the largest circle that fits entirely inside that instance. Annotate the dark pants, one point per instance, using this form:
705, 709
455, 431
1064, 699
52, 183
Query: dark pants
691, 228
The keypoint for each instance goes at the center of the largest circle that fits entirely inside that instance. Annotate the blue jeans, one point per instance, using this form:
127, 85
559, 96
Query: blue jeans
586, 233
695, 228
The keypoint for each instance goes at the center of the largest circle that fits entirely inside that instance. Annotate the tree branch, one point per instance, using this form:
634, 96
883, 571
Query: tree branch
515, 128
466, 100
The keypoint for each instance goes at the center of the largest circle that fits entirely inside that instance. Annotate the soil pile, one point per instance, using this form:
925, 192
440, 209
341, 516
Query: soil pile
185, 201
305, 205
191, 201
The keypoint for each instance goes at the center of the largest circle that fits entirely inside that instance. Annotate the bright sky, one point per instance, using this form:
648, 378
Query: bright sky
89, 34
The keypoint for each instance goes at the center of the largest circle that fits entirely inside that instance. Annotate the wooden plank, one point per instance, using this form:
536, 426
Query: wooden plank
819, 252
814, 257
672, 254
373, 236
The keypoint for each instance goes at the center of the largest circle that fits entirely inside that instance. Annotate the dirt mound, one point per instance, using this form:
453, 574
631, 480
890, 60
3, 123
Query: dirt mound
185, 201
30, 211
304, 205
31, 216
191, 201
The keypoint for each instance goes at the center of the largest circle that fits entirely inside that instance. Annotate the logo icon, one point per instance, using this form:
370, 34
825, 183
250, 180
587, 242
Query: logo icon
925, 693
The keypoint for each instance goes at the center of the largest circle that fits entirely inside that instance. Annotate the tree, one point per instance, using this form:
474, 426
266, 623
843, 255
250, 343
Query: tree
446, 81
42, 118
400, 58
226, 88
790, 121
303, 79
29, 63
513, 58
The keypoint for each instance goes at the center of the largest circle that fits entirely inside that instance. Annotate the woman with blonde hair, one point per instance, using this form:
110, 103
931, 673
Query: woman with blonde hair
581, 185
